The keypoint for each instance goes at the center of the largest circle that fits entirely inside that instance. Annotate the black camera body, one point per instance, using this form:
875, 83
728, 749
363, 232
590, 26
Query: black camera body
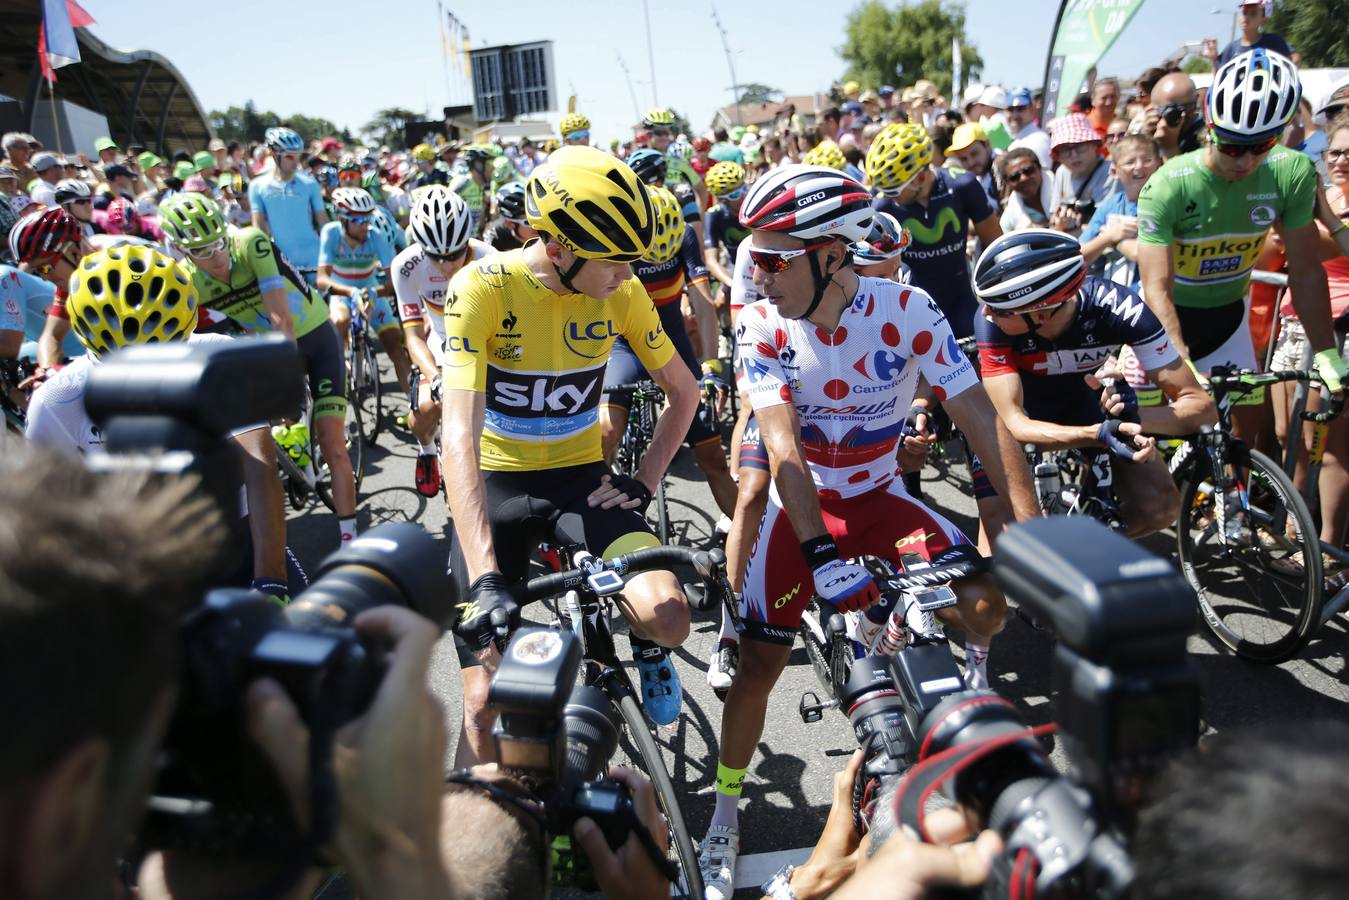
169, 409
558, 736
1127, 698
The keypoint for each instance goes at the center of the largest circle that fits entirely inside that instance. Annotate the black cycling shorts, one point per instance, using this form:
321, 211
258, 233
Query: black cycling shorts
1205, 330
327, 367
527, 508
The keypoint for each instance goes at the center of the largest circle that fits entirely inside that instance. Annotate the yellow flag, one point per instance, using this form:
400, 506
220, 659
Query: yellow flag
571, 104
468, 58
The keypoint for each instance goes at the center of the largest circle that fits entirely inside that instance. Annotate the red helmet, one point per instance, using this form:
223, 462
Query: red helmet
810, 203
42, 235
122, 218
701, 144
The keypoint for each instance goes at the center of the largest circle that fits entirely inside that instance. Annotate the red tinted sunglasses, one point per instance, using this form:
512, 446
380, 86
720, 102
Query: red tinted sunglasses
775, 262
1236, 151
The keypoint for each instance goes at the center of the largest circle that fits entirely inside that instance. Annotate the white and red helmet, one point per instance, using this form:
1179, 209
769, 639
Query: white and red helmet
808, 202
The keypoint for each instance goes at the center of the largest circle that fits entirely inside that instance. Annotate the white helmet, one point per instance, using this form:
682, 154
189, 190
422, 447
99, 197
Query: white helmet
808, 202
353, 201
440, 221
1253, 97
69, 190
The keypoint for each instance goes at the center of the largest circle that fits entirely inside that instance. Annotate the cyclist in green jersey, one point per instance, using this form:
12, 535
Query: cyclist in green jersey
241, 273
473, 184
660, 129
1203, 218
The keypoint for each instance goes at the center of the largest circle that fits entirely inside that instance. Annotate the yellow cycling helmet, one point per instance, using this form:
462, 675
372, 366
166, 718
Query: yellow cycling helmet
658, 115
591, 203
897, 156
826, 153
724, 177
573, 122
128, 295
668, 235
423, 151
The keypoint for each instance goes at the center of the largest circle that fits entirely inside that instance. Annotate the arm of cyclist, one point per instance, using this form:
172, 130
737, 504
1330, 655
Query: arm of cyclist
988, 228
54, 331
681, 402
266, 504
463, 414
1157, 269
712, 258
1311, 300
1189, 409
1001, 453
1008, 398
706, 315
414, 334
278, 311
385, 288
10, 343
260, 220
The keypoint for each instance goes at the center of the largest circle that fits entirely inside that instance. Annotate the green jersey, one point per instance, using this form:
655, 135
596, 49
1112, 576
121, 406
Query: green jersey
1217, 228
256, 265
678, 169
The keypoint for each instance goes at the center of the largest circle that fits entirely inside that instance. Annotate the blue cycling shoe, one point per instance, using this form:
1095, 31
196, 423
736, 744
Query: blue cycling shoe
662, 694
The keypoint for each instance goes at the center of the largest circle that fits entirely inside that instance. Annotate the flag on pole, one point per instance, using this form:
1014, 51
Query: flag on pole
444, 41
56, 42
468, 57
956, 66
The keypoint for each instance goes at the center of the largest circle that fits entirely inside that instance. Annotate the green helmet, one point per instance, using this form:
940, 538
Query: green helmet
370, 181
191, 220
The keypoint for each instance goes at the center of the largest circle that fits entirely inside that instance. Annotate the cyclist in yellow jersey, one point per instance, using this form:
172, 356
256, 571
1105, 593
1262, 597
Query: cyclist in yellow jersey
527, 336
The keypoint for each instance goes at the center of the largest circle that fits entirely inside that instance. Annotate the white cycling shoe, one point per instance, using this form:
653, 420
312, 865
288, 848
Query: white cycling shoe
716, 861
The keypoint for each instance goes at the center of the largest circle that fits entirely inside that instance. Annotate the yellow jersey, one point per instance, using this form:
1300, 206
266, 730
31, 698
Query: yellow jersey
539, 357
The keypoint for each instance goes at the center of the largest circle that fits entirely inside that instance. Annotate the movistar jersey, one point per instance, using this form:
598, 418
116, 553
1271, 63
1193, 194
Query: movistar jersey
1216, 228
256, 265
937, 253
357, 266
665, 282
722, 228
289, 207
540, 357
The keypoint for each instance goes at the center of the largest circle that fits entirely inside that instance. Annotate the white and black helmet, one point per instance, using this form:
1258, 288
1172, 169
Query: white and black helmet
440, 221
353, 201
69, 190
886, 240
808, 202
1029, 268
1253, 97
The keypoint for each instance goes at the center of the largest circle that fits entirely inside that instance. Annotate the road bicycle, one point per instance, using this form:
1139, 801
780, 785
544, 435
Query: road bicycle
364, 389
305, 480
1076, 482
646, 401
1247, 542
580, 598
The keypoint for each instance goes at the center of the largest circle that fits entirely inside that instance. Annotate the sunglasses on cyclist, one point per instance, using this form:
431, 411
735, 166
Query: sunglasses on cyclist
352, 177
443, 258
1017, 313
358, 220
895, 192
737, 193
205, 251
659, 132
775, 262
1236, 151
1021, 175
579, 135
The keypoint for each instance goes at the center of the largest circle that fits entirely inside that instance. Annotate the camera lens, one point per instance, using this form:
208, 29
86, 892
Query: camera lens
871, 699
590, 726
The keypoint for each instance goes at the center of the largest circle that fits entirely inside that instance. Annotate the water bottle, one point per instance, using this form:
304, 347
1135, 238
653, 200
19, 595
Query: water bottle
1048, 483
299, 445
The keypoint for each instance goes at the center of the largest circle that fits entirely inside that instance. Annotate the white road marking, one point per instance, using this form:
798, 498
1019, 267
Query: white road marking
753, 869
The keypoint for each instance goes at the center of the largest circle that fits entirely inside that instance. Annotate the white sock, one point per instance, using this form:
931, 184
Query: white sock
727, 810
976, 666
347, 528
727, 626
427, 449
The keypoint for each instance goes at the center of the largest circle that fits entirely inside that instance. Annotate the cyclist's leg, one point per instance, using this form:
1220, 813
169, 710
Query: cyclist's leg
339, 313
518, 521
623, 368
322, 350
425, 418
701, 438
390, 333
1225, 340
1146, 494
994, 515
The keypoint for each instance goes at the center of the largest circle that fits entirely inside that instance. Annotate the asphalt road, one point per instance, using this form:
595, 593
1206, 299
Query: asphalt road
787, 791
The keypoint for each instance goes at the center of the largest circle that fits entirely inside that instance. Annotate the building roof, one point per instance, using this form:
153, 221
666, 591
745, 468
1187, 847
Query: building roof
766, 113
143, 96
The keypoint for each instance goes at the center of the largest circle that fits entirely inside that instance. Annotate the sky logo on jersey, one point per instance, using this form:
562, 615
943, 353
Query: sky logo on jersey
542, 406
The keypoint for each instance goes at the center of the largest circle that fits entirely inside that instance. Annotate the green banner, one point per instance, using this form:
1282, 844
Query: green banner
1086, 30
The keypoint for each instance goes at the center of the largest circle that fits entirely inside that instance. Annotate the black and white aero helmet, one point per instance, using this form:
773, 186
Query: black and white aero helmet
440, 221
1030, 268
808, 202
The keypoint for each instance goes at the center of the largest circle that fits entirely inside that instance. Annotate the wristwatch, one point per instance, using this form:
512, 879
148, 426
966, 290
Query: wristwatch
779, 887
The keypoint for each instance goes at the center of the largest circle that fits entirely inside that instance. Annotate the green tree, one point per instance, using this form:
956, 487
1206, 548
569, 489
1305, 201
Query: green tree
312, 128
1309, 26
253, 124
754, 92
901, 45
388, 124
1196, 65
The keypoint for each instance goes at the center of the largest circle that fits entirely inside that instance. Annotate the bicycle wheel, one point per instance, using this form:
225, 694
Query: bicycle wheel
372, 400
353, 434
1259, 591
682, 851
830, 654
662, 514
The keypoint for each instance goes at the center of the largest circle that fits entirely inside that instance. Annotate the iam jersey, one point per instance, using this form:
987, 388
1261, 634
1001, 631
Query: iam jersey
1108, 315
852, 388
539, 357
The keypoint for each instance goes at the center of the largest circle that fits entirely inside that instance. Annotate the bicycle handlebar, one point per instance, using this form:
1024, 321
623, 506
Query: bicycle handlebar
1251, 380
967, 562
710, 564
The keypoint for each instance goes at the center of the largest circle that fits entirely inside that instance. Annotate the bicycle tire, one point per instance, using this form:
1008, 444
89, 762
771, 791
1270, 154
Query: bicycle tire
682, 850
662, 514
374, 410
359, 391
1274, 502
833, 665
355, 443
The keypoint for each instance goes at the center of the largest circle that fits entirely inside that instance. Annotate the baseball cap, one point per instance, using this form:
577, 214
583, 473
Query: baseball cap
8, 172
105, 143
1263, 4
330, 143
184, 170
994, 96
148, 160
852, 106
1338, 97
972, 94
44, 161
851, 87
216, 144
885, 90
203, 159
1019, 97
118, 171
965, 134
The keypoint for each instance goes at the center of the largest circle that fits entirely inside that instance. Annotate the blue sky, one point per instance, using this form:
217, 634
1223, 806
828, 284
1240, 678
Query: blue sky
344, 59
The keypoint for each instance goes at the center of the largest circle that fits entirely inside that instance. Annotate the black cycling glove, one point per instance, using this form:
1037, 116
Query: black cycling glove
634, 488
488, 613
1126, 394
1119, 444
